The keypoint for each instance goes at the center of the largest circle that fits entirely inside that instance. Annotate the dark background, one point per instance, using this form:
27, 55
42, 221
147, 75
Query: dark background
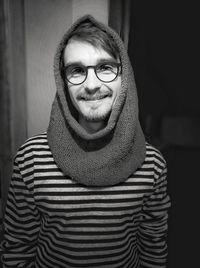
164, 50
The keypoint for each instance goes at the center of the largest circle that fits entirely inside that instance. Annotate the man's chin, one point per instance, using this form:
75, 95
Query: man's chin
94, 117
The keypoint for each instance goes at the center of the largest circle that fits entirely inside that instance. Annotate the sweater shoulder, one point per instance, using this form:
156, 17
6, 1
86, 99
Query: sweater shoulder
37, 143
153, 154
36, 138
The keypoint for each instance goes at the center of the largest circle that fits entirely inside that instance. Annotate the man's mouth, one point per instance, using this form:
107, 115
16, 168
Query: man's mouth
95, 97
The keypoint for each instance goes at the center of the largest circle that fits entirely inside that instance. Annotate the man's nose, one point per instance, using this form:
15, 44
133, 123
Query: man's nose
92, 83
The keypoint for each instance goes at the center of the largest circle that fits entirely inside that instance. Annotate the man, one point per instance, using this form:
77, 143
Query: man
90, 192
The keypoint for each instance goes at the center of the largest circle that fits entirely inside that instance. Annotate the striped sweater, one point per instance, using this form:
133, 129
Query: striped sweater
52, 221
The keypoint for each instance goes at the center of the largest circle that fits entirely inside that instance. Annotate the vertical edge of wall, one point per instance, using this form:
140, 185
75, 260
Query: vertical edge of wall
119, 18
99, 9
115, 15
17, 62
5, 135
12, 96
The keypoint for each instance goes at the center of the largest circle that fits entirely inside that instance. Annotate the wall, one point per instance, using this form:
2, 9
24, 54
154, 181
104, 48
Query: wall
99, 9
45, 23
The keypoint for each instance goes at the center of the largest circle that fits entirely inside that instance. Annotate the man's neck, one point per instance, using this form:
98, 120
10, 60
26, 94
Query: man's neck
91, 126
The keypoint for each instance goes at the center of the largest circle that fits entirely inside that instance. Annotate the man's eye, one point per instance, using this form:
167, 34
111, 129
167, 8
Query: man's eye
105, 67
77, 71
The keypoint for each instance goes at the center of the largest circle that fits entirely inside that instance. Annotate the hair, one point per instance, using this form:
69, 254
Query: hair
90, 33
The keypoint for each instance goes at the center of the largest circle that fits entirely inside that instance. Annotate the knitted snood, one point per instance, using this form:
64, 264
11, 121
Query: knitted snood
110, 155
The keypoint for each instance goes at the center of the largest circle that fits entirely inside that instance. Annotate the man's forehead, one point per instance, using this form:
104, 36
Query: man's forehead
83, 44
81, 51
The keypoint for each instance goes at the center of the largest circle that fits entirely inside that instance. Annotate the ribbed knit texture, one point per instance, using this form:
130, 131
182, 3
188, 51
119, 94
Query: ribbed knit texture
53, 222
109, 156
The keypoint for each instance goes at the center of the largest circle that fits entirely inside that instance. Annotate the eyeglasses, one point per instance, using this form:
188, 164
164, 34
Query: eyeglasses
106, 72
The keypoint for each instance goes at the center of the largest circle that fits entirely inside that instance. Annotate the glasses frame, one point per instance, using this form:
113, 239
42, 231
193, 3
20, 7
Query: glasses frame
94, 67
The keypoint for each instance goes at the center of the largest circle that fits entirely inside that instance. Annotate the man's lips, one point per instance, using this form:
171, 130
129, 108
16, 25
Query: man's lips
95, 97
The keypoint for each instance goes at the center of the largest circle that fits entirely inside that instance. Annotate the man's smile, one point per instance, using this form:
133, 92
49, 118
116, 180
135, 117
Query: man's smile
96, 97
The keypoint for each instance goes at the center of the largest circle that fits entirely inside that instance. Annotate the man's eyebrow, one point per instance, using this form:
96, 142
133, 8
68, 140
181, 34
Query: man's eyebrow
102, 60
111, 59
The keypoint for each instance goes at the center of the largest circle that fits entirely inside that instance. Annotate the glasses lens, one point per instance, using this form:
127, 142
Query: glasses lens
107, 72
75, 74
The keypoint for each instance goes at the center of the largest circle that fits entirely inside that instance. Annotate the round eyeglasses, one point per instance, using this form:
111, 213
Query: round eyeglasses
106, 72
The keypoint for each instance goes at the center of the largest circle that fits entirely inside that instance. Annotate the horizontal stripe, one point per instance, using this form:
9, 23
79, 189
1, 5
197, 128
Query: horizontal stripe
71, 225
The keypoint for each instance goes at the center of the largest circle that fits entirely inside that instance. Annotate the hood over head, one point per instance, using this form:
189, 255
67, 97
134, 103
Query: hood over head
110, 155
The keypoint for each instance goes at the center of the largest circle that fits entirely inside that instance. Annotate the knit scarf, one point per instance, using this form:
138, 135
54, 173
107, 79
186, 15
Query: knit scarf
111, 155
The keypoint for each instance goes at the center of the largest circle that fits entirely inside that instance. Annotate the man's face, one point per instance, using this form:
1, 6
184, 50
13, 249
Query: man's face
93, 99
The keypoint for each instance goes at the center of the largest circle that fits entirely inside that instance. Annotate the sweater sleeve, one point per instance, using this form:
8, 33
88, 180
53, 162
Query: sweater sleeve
21, 223
154, 226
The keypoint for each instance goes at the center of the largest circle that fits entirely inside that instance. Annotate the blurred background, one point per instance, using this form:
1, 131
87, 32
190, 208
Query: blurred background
162, 41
